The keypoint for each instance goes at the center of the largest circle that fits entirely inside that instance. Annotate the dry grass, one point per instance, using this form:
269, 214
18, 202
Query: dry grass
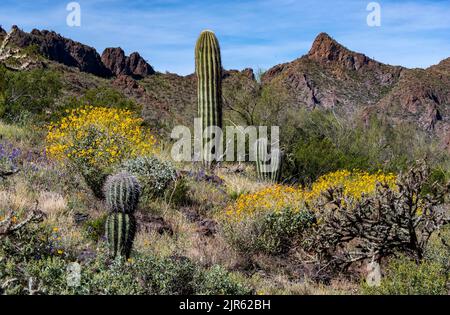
209, 251
238, 184
283, 285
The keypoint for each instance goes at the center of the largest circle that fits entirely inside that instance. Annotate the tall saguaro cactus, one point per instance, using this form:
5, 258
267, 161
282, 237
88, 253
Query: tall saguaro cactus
208, 66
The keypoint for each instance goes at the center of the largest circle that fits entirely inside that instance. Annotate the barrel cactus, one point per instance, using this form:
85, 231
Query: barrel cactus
122, 192
120, 230
208, 67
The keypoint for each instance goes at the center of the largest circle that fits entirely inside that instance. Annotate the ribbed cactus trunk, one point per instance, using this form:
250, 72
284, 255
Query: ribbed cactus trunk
208, 66
120, 231
122, 193
268, 169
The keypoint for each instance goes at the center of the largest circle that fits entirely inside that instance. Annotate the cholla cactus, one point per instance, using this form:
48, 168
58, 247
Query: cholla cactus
120, 230
208, 66
122, 193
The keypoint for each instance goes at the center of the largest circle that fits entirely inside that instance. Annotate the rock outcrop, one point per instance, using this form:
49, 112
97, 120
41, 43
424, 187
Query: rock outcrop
13, 57
115, 60
2, 33
332, 76
326, 50
62, 50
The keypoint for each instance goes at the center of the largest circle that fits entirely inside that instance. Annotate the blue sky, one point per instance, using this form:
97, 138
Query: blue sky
253, 33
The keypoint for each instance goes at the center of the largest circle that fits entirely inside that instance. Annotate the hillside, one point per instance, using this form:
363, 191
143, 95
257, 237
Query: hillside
89, 186
331, 76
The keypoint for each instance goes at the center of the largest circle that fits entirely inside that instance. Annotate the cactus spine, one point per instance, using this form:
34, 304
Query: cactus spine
120, 231
208, 67
122, 193
122, 197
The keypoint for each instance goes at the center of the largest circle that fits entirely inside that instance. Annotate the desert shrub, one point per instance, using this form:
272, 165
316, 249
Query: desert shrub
278, 197
323, 142
20, 250
429, 277
390, 220
103, 96
23, 94
170, 275
272, 218
154, 175
33, 242
96, 139
272, 233
95, 228
9, 157
49, 276
149, 274
35, 262
218, 281
179, 275
405, 277
179, 194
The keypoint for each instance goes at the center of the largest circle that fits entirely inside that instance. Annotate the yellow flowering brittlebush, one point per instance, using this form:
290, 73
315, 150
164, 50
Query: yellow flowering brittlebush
278, 197
99, 136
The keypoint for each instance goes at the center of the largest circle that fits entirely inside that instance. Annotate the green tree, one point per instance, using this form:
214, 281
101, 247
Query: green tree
27, 93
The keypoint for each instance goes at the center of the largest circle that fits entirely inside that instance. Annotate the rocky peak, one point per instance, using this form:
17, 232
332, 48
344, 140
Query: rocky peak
62, 50
326, 50
138, 66
119, 64
443, 67
115, 60
2, 31
249, 73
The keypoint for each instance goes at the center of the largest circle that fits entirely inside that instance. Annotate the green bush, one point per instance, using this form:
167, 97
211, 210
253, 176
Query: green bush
154, 175
99, 97
324, 142
95, 178
438, 249
27, 93
218, 281
271, 233
95, 228
31, 254
405, 277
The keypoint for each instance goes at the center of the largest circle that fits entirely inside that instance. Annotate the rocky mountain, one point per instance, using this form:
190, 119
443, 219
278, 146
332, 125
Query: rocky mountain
60, 49
329, 76
119, 64
334, 77
2, 33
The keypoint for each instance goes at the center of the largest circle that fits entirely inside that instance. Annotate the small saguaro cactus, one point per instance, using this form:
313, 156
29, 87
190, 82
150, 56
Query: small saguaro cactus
208, 66
268, 169
120, 230
122, 193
